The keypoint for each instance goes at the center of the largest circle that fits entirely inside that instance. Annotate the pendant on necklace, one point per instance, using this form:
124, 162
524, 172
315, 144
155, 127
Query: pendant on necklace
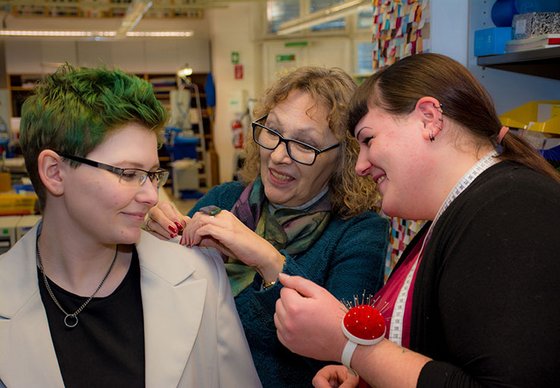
71, 320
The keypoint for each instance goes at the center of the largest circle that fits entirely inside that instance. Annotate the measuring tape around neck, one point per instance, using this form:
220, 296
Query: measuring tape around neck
397, 319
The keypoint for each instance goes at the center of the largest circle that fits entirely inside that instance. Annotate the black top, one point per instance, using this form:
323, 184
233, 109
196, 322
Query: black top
106, 348
486, 301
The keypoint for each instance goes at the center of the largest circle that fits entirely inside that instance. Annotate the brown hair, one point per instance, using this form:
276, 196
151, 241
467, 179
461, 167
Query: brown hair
397, 88
331, 88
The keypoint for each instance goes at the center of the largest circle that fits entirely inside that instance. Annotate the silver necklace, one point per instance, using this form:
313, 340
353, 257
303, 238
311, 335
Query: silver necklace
71, 320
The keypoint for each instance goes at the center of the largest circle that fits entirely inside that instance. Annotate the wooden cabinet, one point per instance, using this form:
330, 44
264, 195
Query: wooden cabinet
20, 87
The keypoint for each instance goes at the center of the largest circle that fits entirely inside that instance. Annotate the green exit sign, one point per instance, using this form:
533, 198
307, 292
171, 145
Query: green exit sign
285, 57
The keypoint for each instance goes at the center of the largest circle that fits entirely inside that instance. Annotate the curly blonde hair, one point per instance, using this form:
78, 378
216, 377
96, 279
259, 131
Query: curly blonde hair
331, 88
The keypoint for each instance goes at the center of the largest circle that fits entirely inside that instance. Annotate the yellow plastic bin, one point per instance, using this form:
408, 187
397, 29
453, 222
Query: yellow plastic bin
538, 116
15, 204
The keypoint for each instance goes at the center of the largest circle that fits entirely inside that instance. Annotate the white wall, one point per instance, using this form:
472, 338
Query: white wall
135, 56
233, 29
328, 52
142, 55
449, 28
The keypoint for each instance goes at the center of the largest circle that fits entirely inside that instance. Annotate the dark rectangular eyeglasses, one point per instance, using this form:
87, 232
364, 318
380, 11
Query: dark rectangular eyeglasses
298, 151
130, 176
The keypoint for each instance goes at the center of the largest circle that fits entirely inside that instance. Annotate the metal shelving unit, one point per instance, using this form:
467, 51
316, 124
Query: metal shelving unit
541, 62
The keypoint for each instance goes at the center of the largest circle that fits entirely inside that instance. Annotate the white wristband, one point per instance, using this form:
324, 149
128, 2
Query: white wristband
348, 352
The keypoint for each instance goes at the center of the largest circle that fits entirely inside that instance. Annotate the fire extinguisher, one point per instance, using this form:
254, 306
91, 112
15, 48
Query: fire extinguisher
237, 130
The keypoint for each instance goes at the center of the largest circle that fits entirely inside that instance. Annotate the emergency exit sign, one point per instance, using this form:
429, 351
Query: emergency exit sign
285, 57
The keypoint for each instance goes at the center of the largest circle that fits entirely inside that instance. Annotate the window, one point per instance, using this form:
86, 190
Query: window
317, 5
280, 11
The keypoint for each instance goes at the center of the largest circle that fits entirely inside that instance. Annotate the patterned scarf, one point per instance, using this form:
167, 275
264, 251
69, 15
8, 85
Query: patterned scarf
292, 229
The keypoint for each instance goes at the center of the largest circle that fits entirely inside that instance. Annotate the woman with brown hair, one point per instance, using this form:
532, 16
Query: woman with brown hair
473, 300
300, 210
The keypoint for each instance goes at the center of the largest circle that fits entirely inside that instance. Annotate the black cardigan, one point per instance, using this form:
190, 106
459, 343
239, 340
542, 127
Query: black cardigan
486, 303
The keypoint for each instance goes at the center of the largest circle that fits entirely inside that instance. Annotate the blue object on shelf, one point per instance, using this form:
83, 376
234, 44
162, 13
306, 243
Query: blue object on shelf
526, 6
184, 148
210, 91
491, 41
190, 194
551, 154
22, 188
503, 12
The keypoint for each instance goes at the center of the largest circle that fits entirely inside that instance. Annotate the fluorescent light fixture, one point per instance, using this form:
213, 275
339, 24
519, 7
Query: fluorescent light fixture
134, 13
159, 34
322, 16
94, 34
76, 34
185, 71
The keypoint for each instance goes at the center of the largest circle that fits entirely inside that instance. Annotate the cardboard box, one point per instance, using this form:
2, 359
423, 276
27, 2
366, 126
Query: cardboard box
527, 25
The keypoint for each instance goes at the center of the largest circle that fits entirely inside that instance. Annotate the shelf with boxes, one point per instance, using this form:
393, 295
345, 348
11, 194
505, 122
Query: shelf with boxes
192, 143
525, 39
540, 62
21, 86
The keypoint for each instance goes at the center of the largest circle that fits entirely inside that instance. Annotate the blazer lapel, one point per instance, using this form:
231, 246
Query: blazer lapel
170, 329
27, 357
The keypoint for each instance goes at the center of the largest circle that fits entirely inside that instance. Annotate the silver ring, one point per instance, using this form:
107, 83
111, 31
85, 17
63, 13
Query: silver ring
147, 225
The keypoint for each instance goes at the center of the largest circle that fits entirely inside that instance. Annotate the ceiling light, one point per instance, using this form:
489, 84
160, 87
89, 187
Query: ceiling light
94, 34
159, 34
322, 16
185, 71
75, 34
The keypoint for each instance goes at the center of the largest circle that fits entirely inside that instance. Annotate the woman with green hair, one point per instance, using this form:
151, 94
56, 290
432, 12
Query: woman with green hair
86, 297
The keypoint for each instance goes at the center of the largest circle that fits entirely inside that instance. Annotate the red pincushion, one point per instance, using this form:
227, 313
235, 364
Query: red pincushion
364, 322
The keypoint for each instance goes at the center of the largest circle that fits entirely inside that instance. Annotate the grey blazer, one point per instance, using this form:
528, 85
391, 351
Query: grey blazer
193, 336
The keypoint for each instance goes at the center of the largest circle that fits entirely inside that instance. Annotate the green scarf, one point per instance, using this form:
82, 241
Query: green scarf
292, 230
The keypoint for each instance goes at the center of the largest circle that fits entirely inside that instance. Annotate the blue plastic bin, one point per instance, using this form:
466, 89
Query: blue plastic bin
491, 41
184, 148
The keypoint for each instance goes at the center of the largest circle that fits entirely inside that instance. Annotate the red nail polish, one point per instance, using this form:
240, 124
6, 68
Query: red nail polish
172, 229
179, 226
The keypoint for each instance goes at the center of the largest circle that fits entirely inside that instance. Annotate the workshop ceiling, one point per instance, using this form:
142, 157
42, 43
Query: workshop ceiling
191, 9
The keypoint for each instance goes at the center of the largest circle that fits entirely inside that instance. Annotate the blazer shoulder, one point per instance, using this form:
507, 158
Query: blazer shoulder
175, 262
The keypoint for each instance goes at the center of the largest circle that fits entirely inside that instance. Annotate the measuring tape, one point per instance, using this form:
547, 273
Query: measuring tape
397, 319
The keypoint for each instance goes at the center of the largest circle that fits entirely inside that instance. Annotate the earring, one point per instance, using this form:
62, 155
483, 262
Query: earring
432, 138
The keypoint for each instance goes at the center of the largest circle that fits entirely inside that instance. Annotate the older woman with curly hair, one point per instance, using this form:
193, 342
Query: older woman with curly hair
300, 209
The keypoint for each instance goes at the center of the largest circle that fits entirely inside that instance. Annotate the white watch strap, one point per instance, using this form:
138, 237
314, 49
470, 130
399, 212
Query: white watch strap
348, 352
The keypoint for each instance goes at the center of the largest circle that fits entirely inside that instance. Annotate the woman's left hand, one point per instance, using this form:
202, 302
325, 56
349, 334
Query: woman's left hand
308, 319
332, 376
230, 236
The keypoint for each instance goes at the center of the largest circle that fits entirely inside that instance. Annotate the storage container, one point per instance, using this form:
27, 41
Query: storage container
491, 41
538, 116
527, 25
184, 148
15, 204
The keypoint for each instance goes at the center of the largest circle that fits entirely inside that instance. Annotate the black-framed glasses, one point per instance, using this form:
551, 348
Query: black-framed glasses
298, 151
131, 176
